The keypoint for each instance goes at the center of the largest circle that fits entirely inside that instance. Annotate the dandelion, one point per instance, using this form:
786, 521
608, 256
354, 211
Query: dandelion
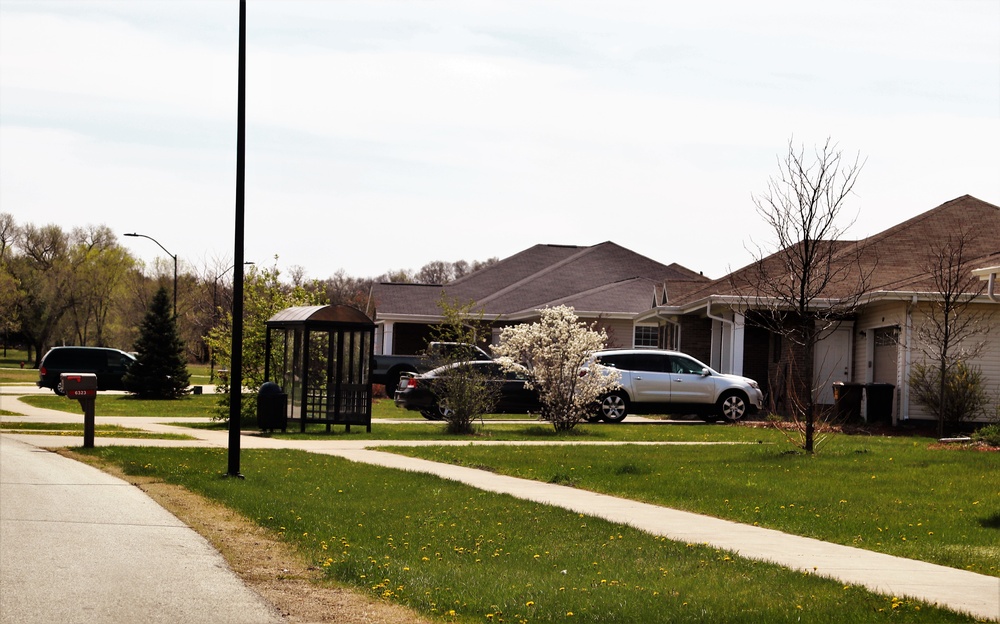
530, 603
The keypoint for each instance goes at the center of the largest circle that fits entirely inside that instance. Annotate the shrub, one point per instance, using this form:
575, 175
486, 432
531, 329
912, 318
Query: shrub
989, 434
964, 397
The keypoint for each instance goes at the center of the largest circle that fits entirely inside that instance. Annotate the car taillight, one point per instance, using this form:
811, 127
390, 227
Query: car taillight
41, 371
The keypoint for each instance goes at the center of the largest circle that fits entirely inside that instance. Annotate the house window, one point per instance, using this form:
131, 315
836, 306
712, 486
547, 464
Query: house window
646, 336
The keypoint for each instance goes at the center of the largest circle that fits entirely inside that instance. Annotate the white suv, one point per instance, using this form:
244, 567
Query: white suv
675, 383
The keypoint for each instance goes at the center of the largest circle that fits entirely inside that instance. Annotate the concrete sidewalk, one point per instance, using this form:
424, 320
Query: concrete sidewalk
955, 589
78, 545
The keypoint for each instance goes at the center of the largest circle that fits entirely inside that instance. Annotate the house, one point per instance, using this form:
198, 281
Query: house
605, 283
642, 303
878, 343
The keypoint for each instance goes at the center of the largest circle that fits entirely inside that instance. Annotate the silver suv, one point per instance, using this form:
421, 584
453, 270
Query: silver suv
674, 383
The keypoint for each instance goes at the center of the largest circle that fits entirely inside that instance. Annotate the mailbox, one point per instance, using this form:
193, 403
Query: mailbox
79, 385
82, 387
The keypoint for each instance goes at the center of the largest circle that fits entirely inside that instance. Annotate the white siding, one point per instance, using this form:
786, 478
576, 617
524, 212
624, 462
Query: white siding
988, 360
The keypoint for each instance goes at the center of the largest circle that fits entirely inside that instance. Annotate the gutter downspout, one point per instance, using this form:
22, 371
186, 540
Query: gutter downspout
904, 395
991, 288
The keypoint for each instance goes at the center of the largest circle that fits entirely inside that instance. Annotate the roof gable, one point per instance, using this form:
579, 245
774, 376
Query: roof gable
894, 259
545, 275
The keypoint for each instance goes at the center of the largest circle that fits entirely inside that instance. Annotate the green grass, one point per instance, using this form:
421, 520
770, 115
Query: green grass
100, 431
10, 368
203, 405
461, 554
900, 496
201, 374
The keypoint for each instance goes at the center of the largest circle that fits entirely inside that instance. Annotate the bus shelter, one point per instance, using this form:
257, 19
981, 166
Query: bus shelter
321, 357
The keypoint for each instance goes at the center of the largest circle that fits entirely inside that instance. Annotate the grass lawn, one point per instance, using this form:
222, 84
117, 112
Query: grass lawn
100, 431
901, 496
466, 555
203, 405
10, 367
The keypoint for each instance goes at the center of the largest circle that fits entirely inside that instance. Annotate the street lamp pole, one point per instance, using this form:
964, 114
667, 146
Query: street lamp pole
175, 265
215, 313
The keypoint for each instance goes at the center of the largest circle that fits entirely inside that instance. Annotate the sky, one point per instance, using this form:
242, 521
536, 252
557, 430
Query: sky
386, 135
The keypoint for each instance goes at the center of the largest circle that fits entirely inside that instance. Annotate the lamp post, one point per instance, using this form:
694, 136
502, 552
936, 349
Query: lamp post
215, 314
175, 265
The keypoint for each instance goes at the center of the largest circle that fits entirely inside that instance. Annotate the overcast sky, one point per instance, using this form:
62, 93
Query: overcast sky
385, 135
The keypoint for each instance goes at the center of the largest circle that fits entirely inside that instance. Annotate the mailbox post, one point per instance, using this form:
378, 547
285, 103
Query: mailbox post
83, 387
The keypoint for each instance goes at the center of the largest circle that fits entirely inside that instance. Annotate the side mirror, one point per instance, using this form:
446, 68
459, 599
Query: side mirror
705, 372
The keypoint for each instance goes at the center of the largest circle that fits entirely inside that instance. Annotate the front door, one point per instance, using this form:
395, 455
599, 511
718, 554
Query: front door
832, 362
885, 363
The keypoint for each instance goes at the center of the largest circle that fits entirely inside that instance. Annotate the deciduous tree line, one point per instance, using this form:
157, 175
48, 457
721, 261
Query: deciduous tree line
82, 287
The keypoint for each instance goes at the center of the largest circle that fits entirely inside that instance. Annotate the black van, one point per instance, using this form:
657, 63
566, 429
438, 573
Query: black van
108, 364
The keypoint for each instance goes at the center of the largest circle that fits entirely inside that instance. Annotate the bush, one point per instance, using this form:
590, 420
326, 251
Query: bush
964, 398
989, 434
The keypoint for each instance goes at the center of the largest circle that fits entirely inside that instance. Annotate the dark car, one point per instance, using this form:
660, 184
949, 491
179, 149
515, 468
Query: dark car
109, 365
417, 392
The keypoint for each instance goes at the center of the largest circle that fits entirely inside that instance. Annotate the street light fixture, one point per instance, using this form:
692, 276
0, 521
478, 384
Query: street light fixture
175, 265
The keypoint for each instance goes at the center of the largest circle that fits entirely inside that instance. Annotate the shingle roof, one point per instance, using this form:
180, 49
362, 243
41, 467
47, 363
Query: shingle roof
602, 279
894, 259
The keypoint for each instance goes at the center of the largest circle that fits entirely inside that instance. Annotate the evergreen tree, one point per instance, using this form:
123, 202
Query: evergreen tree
159, 371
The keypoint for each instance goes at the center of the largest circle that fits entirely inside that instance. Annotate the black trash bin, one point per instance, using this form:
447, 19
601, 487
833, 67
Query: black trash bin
272, 407
879, 402
847, 399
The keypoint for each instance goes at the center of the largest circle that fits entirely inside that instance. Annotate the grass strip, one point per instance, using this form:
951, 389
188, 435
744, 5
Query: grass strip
465, 555
100, 431
902, 496
190, 406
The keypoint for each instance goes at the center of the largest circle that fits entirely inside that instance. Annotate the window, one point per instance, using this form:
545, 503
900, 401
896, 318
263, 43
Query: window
646, 336
685, 365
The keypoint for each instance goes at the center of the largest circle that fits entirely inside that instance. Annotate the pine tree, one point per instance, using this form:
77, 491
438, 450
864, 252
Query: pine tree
159, 371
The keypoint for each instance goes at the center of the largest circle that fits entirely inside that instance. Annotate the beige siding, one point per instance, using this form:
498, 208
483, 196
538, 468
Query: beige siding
988, 359
620, 332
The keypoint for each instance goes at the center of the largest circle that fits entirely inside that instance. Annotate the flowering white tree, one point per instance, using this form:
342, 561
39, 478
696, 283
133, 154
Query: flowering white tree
555, 351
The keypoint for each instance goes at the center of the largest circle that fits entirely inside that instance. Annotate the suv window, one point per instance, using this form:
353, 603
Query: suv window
647, 362
685, 365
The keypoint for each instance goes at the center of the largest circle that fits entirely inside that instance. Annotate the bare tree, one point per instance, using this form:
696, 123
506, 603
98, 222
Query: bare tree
812, 280
8, 234
436, 272
953, 331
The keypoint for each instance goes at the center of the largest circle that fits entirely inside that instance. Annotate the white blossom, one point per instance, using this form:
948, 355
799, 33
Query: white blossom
556, 350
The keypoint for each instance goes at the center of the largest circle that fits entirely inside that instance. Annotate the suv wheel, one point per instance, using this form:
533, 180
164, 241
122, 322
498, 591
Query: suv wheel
613, 407
732, 406
59, 390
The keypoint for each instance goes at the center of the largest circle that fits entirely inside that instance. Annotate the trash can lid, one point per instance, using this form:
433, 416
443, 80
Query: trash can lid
269, 388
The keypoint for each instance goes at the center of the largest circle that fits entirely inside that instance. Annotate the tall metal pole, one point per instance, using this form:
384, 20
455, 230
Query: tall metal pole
236, 374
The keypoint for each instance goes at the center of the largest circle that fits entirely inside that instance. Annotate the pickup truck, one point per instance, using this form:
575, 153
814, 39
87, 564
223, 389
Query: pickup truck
386, 369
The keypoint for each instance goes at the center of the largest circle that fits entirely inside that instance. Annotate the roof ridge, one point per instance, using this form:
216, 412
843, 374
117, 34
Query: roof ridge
552, 267
915, 220
597, 289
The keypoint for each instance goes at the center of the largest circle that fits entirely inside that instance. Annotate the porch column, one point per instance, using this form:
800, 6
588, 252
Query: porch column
383, 338
739, 327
